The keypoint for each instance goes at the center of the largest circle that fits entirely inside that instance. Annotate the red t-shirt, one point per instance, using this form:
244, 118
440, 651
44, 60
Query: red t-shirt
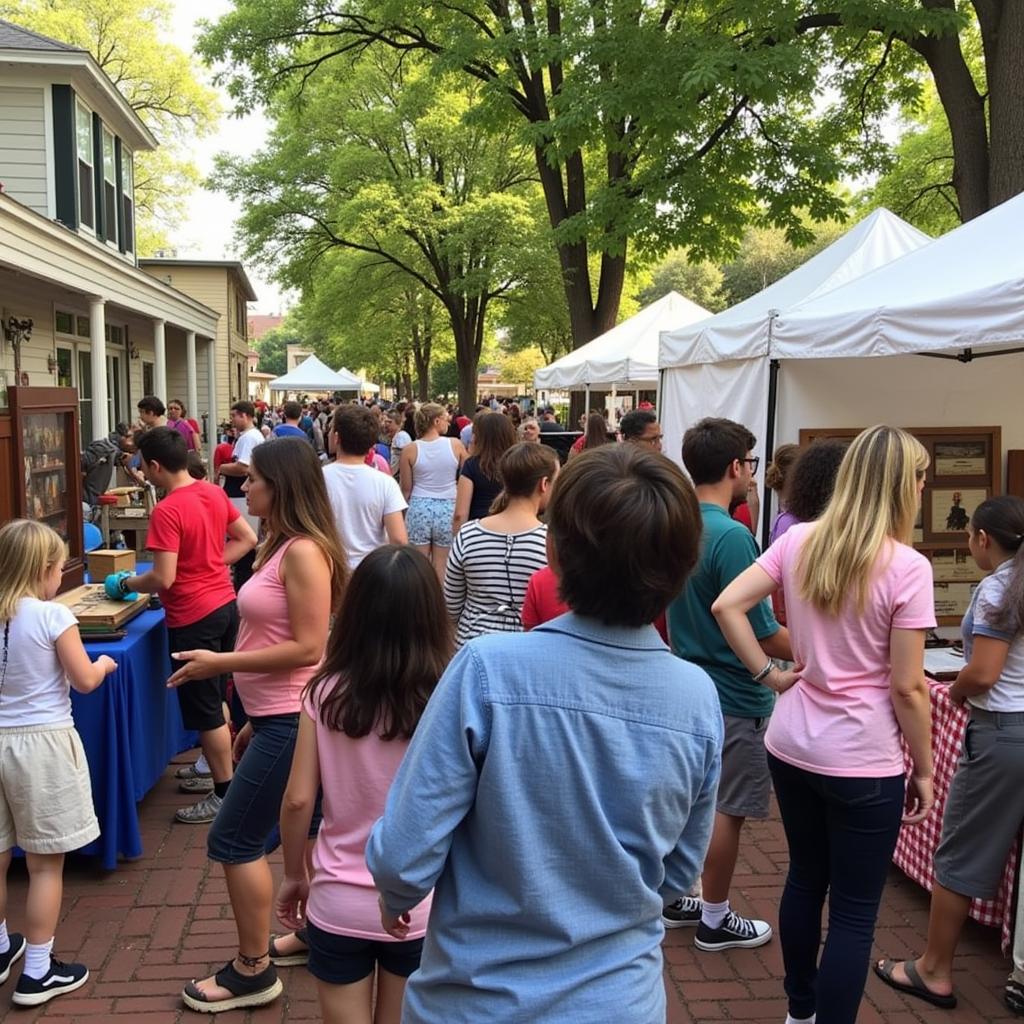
542, 602
222, 453
741, 513
192, 522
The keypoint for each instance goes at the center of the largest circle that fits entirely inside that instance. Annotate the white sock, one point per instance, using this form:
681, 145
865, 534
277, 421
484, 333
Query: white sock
713, 914
202, 765
5, 942
37, 959
790, 1019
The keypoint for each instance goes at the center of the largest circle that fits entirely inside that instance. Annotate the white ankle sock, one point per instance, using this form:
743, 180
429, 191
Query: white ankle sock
790, 1019
202, 765
37, 959
713, 914
5, 942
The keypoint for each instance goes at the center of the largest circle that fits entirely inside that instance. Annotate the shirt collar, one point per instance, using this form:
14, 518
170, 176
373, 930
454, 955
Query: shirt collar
640, 638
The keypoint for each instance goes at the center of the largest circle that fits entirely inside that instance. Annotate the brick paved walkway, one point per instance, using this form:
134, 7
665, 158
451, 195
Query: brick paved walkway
151, 925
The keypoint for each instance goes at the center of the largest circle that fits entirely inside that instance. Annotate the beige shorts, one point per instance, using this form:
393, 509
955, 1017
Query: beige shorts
45, 794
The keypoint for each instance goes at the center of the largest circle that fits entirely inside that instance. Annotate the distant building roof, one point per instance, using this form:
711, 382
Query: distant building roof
14, 37
260, 323
235, 265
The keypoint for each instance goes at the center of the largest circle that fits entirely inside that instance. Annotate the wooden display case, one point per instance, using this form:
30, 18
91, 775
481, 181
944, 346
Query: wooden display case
40, 476
965, 468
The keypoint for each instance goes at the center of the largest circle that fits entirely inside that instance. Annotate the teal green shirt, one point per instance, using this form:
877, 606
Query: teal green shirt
727, 549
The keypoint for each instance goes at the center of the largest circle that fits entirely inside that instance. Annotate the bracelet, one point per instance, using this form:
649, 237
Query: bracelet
765, 672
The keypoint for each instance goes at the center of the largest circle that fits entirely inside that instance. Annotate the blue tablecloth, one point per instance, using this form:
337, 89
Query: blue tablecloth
130, 728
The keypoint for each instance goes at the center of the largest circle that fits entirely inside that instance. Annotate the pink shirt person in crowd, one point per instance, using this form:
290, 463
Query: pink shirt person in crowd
358, 716
858, 601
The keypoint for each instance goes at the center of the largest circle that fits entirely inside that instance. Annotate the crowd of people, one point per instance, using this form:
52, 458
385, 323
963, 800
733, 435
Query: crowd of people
358, 601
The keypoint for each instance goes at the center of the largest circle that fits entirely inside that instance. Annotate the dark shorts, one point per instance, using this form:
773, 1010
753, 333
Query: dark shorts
344, 959
252, 804
201, 700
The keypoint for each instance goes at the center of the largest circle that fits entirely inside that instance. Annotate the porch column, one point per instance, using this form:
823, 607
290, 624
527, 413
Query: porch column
98, 367
191, 386
159, 361
211, 391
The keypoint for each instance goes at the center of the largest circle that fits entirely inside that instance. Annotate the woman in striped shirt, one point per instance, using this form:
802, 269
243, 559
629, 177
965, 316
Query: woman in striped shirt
492, 559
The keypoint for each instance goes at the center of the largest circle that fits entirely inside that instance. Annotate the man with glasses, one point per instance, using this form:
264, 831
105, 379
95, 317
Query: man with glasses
641, 427
717, 455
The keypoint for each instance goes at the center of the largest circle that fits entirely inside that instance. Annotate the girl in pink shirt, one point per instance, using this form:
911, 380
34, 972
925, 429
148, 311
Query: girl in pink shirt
859, 601
359, 713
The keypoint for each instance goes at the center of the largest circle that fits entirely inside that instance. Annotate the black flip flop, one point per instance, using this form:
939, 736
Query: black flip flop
916, 988
246, 990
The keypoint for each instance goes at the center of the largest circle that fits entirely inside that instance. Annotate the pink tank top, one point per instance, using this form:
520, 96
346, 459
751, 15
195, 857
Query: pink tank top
263, 610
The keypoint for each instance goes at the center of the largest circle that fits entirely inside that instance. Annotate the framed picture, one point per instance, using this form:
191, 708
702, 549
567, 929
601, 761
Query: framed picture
955, 565
951, 510
960, 459
918, 537
952, 601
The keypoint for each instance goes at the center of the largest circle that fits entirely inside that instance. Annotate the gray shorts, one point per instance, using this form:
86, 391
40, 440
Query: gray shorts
745, 788
985, 805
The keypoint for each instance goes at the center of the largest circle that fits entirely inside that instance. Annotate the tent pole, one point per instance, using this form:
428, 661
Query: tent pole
769, 447
586, 401
657, 395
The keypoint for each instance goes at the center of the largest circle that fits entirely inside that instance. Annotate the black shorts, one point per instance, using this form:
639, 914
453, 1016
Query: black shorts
344, 959
201, 700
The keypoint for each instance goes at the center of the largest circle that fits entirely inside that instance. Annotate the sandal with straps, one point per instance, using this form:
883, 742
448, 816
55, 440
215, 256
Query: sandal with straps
246, 990
293, 959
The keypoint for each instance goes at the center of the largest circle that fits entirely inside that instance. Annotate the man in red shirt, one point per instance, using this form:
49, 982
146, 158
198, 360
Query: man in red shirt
190, 574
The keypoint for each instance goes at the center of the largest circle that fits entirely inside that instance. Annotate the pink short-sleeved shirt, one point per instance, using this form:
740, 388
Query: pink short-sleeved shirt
838, 719
355, 775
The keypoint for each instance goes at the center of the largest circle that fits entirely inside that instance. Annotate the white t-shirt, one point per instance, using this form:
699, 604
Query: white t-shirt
242, 452
982, 620
35, 689
398, 442
361, 496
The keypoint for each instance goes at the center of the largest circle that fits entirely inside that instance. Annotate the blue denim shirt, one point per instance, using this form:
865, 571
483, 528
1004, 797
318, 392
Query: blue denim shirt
559, 789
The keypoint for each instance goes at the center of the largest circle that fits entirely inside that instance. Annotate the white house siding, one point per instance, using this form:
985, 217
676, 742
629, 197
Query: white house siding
23, 145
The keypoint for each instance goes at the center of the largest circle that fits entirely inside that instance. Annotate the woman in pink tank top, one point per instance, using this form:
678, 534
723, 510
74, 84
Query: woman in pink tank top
284, 609
360, 711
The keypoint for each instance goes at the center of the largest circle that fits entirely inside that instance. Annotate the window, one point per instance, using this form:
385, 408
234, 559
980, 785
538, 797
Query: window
85, 397
65, 323
240, 311
147, 378
114, 334
64, 364
109, 188
82, 326
86, 197
128, 200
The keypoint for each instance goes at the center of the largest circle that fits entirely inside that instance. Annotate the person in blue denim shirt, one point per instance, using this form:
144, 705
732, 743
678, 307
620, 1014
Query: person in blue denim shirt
560, 787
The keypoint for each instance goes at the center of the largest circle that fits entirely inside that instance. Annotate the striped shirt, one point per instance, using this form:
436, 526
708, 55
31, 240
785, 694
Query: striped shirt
487, 575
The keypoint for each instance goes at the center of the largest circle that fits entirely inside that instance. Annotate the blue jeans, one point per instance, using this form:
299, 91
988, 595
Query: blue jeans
841, 834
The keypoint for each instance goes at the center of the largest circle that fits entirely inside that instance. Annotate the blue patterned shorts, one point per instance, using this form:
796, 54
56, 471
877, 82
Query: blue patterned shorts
429, 521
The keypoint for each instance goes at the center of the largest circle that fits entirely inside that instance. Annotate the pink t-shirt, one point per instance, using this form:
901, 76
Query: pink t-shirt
355, 775
263, 614
838, 719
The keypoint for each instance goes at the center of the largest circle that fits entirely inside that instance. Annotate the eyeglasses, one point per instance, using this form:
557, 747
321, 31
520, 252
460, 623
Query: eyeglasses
657, 439
753, 463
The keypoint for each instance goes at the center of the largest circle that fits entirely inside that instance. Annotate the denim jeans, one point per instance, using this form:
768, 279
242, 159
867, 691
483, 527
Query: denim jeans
841, 834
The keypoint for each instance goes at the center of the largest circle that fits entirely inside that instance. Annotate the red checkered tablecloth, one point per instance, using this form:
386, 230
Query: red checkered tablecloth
916, 845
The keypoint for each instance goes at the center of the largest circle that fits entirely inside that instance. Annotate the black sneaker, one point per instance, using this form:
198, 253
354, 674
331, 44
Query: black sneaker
1013, 995
735, 932
14, 953
60, 978
684, 913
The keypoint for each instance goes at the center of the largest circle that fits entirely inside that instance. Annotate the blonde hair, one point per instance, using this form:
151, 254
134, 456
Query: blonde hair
425, 416
28, 551
875, 500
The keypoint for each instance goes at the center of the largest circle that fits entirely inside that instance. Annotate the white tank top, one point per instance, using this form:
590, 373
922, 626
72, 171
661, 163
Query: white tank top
435, 469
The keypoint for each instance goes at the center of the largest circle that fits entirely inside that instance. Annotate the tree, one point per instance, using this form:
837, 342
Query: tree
650, 125
382, 160
699, 282
272, 347
128, 39
519, 367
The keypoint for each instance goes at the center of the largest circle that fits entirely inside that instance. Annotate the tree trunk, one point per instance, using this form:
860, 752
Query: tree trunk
421, 344
1006, 106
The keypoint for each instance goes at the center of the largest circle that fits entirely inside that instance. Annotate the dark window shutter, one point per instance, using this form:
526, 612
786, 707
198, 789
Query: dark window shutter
65, 155
122, 227
103, 230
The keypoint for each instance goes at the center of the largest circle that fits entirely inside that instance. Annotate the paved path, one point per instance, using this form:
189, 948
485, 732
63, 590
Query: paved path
151, 925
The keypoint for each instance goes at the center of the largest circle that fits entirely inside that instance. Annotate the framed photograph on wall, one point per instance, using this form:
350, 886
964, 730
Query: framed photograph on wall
950, 510
961, 459
955, 565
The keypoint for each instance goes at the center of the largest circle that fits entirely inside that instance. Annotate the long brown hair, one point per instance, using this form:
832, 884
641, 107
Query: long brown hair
521, 468
300, 506
493, 435
374, 678
596, 433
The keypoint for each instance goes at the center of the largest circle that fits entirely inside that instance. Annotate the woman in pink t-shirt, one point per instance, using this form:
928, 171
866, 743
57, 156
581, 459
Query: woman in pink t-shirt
859, 601
360, 712
284, 610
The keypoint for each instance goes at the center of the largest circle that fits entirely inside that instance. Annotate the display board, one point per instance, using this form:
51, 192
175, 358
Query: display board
965, 468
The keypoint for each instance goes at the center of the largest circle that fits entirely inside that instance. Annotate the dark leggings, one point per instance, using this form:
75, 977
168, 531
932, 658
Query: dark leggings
841, 834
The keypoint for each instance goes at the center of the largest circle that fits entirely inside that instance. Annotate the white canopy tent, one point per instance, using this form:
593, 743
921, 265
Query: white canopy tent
358, 383
626, 356
312, 375
721, 365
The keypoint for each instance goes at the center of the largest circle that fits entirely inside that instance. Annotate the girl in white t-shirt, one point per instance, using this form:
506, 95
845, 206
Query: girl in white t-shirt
359, 713
45, 796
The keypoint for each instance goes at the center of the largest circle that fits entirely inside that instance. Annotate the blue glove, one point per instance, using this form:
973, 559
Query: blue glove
115, 587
